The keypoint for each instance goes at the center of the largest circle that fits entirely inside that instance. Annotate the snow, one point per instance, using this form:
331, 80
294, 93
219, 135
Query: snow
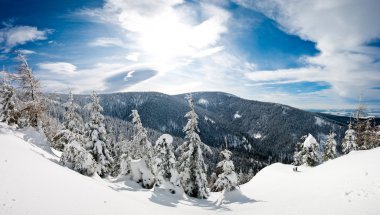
309, 141
203, 101
209, 120
319, 121
257, 135
346, 185
167, 137
32, 182
237, 115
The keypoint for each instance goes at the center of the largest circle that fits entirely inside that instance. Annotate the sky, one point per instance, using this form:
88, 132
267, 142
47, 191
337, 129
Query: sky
308, 54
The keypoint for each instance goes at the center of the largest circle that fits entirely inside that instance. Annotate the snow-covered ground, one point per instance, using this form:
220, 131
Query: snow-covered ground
32, 182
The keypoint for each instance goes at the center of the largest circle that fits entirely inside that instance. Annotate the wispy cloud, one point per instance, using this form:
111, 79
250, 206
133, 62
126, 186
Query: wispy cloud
107, 42
26, 51
341, 29
12, 36
61, 68
61, 76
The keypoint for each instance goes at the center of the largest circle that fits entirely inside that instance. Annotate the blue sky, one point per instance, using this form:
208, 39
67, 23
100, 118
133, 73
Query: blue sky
308, 54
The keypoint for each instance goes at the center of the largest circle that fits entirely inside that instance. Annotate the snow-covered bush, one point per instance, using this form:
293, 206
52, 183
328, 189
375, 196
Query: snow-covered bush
75, 157
227, 180
311, 151
8, 103
141, 174
137, 156
299, 152
330, 147
349, 141
73, 126
165, 164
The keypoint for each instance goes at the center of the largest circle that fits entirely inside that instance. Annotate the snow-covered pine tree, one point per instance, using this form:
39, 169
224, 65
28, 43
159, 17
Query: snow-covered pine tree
368, 136
166, 173
299, 152
377, 135
360, 126
8, 103
73, 126
330, 147
75, 157
227, 180
349, 141
138, 148
96, 136
32, 101
312, 152
191, 164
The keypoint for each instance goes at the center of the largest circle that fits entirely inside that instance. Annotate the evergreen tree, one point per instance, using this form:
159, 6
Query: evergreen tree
330, 147
299, 152
349, 141
377, 135
192, 166
138, 148
9, 112
140, 144
73, 126
75, 157
227, 180
311, 152
165, 163
32, 101
96, 136
368, 136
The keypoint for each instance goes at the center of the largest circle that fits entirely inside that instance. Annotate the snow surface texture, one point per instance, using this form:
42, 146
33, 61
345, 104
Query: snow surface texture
32, 182
237, 115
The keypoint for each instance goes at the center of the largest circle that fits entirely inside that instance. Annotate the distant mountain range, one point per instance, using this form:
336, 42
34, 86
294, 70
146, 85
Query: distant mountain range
346, 112
254, 130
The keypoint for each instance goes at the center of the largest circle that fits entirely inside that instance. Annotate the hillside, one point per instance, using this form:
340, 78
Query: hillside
267, 130
32, 182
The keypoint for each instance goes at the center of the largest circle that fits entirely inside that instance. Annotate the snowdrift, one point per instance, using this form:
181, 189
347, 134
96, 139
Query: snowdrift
32, 182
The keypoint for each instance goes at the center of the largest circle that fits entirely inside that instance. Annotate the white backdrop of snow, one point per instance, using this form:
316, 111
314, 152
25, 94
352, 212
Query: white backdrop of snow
32, 182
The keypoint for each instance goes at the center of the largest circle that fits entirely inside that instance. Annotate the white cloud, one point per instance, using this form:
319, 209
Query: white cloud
26, 51
62, 76
13, 36
164, 32
134, 56
106, 42
341, 29
61, 68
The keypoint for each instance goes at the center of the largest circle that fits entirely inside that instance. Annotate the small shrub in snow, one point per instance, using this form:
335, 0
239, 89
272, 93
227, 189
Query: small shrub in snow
165, 163
312, 151
330, 147
75, 157
73, 126
137, 156
227, 180
141, 174
9, 112
349, 141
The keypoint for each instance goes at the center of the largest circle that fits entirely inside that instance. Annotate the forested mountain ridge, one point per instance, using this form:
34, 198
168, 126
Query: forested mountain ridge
267, 131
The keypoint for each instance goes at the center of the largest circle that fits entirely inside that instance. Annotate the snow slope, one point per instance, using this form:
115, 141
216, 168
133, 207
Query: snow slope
31, 182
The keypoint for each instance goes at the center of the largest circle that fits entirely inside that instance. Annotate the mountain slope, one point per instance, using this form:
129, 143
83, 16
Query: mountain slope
33, 183
267, 129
